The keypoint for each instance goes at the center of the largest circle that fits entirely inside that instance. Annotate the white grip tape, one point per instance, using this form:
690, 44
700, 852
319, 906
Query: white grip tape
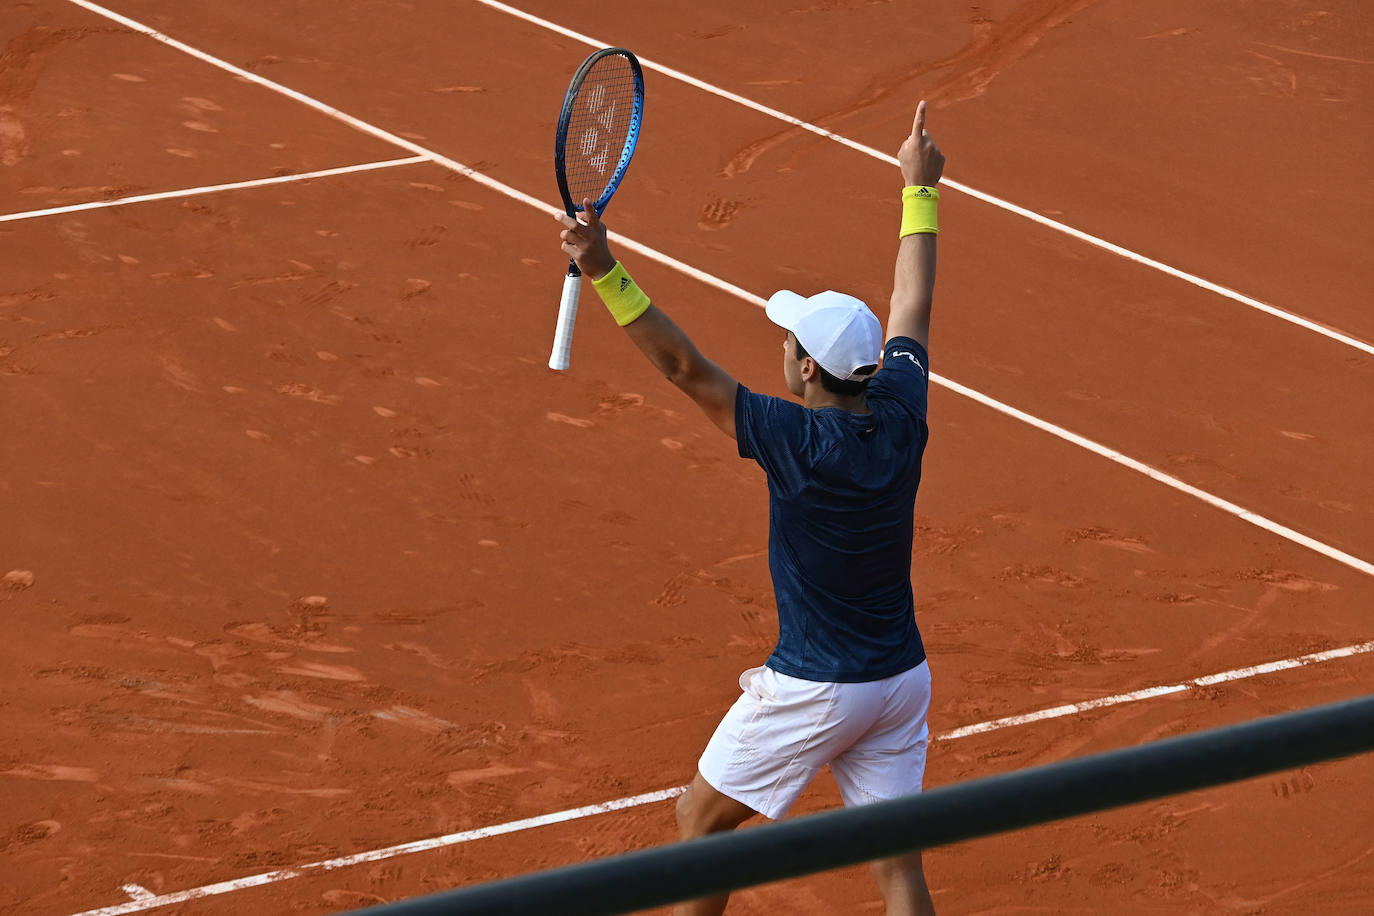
567, 315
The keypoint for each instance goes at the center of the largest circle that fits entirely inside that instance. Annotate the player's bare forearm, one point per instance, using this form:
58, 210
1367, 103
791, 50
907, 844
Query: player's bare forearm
913, 283
665, 344
913, 289
672, 352
658, 337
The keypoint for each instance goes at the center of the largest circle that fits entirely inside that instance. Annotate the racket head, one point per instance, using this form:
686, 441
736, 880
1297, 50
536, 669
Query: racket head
598, 128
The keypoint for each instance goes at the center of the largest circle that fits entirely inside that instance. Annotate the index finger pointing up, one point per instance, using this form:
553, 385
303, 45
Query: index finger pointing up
919, 128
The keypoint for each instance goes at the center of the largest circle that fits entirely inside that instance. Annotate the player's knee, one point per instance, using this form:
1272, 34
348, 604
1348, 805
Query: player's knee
698, 814
689, 816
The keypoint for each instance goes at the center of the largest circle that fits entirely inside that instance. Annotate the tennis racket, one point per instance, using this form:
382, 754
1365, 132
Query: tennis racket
597, 132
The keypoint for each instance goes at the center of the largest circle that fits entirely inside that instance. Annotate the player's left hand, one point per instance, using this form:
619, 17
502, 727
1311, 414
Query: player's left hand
920, 159
586, 242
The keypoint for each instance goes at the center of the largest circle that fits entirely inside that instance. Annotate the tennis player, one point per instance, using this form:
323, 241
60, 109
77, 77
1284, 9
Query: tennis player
847, 685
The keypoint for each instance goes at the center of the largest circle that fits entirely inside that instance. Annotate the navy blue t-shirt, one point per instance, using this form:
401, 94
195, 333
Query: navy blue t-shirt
841, 493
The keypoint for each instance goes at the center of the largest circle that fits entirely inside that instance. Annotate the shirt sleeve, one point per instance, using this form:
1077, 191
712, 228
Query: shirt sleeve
904, 377
773, 432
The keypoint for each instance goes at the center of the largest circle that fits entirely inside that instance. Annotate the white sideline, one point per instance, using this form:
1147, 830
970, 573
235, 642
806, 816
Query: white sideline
375, 855
1275, 311
452, 839
1231, 508
209, 189
1235, 674
1097, 448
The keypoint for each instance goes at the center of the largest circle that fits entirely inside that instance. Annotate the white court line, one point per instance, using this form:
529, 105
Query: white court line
1097, 448
467, 836
1229, 507
137, 891
376, 855
210, 189
1275, 311
1235, 674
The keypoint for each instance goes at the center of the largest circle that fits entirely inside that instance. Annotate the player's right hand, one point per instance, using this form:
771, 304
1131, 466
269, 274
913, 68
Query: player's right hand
585, 242
921, 161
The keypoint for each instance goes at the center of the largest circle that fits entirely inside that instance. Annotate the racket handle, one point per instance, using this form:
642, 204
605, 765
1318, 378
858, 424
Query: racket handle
567, 315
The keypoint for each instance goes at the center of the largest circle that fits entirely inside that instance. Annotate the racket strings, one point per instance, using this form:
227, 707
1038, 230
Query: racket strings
602, 114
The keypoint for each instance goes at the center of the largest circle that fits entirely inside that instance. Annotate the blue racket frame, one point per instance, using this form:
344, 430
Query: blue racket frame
565, 116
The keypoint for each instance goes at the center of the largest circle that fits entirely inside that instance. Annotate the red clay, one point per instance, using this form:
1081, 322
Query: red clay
324, 559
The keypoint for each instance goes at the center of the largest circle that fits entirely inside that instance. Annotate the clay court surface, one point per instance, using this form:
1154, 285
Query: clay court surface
312, 555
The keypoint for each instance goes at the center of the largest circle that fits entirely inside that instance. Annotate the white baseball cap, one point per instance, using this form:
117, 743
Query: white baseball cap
838, 331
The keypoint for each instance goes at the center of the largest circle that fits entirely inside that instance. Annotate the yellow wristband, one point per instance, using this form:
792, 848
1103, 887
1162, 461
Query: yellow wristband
625, 299
918, 211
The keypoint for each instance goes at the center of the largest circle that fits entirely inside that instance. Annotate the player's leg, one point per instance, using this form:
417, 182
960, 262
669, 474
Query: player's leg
902, 882
889, 762
701, 811
766, 750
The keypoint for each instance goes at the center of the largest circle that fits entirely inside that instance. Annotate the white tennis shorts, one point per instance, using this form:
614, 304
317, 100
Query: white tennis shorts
779, 734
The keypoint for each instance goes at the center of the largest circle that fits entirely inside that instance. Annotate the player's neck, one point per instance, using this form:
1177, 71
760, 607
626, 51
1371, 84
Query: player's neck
816, 397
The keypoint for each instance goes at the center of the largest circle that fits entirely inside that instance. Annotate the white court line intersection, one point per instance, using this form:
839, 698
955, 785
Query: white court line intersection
209, 189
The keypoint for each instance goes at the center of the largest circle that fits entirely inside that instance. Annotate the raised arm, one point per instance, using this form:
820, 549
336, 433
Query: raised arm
660, 339
913, 285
